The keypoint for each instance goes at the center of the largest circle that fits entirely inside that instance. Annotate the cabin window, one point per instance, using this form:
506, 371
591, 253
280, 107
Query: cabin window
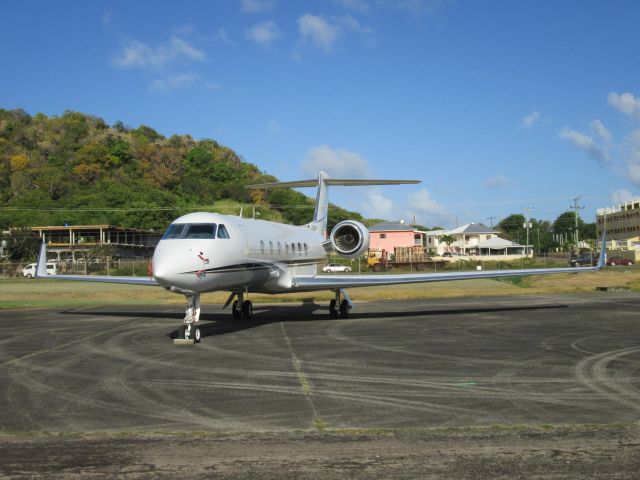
200, 230
299, 248
270, 248
279, 248
174, 231
222, 232
306, 249
286, 248
293, 248
262, 246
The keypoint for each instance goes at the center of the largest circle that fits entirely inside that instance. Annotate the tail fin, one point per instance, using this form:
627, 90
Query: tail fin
321, 213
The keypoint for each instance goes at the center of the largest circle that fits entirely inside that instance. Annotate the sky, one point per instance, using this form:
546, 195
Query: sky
495, 105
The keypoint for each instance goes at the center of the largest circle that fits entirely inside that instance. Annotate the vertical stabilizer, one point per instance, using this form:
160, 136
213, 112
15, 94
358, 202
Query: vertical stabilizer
321, 213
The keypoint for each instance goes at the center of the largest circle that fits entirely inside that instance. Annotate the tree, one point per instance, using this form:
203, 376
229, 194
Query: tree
21, 244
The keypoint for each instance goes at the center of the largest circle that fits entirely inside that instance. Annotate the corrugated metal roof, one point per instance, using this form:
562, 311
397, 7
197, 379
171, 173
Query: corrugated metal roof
472, 228
391, 227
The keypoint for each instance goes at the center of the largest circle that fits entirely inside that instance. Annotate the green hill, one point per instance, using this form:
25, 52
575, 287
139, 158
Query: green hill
77, 169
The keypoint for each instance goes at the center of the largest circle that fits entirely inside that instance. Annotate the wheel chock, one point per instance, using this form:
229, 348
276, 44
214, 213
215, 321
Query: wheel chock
183, 341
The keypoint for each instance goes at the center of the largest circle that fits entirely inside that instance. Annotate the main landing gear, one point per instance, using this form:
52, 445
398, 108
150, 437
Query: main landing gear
241, 308
339, 307
190, 329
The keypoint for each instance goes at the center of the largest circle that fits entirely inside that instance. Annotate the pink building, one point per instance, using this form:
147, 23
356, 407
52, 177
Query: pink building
388, 235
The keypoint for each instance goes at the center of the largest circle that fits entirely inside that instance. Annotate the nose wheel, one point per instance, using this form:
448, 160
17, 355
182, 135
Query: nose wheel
190, 329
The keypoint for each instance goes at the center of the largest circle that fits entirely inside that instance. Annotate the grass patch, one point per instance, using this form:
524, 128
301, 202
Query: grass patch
23, 293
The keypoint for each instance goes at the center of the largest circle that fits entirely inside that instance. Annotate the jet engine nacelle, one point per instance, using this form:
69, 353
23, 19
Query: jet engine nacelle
350, 238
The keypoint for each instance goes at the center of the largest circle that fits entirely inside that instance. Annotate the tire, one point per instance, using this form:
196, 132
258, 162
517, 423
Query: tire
420, 267
630, 263
613, 264
332, 309
344, 309
377, 267
29, 275
235, 311
247, 310
347, 270
196, 334
181, 331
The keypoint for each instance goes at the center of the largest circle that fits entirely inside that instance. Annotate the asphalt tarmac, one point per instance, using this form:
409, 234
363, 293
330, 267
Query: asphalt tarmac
394, 367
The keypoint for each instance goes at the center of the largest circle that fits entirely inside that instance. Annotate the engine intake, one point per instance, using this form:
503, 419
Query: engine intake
350, 238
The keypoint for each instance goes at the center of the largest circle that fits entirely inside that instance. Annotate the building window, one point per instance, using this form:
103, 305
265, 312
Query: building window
383, 235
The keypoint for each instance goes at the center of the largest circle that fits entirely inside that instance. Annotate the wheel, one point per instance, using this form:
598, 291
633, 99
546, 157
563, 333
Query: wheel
348, 269
420, 267
613, 264
344, 309
196, 334
235, 311
29, 275
181, 331
377, 267
630, 263
333, 313
247, 310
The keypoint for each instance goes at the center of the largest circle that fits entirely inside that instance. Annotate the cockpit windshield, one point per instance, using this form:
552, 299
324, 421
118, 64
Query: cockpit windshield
190, 230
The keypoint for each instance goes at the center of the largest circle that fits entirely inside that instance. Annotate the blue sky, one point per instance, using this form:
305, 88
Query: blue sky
494, 105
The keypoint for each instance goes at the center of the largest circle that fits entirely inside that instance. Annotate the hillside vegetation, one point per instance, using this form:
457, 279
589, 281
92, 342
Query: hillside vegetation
77, 169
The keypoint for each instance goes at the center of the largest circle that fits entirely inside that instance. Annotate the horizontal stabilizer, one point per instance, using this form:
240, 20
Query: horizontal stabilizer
349, 182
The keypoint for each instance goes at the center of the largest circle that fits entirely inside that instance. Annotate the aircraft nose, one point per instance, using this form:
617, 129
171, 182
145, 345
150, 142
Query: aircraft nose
160, 270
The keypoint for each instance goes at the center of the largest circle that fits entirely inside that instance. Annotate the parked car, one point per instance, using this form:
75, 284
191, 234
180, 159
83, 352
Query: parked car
30, 270
584, 260
335, 267
613, 261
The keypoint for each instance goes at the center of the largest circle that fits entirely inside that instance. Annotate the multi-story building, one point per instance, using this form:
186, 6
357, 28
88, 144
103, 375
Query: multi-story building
622, 224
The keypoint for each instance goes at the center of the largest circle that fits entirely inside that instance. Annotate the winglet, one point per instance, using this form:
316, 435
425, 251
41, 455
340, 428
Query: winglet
41, 266
603, 250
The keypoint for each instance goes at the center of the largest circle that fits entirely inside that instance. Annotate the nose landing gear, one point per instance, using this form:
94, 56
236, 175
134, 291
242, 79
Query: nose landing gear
190, 329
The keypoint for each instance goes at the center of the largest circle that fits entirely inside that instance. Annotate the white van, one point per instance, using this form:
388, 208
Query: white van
30, 270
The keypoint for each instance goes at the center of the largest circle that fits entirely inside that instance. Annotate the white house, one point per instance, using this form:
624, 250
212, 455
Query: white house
474, 239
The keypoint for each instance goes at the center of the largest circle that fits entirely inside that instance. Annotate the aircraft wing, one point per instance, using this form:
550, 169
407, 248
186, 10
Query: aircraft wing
332, 282
41, 272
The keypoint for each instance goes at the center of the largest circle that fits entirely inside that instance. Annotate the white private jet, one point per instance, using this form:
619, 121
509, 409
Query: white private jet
206, 252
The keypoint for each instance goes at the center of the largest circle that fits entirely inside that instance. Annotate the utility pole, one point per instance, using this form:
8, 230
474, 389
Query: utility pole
491, 219
527, 224
576, 207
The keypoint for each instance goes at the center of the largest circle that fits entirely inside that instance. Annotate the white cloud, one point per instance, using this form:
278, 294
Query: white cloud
530, 120
623, 196
633, 173
338, 163
257, 6
601, 131
136, 54
626, 103
499, 181
421, 203
377, 205
169, 83
585, 143
318, 31
223, 37
264, 33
